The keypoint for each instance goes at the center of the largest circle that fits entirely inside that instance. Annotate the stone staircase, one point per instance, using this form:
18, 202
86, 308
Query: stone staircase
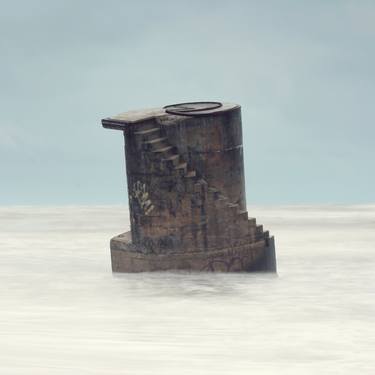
225, 216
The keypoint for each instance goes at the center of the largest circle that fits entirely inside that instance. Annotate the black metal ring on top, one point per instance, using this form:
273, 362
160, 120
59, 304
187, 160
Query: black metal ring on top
191, 108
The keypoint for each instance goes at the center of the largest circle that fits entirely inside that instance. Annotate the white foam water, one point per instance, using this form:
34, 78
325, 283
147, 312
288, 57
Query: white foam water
64, 312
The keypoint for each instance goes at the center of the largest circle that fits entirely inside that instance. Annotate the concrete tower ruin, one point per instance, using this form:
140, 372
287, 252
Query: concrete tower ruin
187, 198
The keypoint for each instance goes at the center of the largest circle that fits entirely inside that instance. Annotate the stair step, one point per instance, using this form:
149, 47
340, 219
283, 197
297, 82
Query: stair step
222, 197
156, 143
244, 214
252, 221
147, 132
259, 229
163, 149
222, 201
172, 160
181, 166
173, 157
156, 140
191, 174
233, 207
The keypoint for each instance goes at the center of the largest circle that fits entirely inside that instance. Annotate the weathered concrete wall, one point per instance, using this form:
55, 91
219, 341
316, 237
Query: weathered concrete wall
187, 192
178, 168
247, 257
212, 145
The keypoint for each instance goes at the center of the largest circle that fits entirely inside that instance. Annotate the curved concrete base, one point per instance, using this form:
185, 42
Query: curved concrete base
257, 256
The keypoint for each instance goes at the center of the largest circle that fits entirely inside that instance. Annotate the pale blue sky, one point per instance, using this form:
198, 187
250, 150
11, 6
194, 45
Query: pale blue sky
303, 72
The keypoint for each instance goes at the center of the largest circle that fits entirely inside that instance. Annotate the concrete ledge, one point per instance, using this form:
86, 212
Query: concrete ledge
257, 256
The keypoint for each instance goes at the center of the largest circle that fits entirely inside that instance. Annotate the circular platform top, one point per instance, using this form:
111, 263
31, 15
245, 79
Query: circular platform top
192, 108
206, 108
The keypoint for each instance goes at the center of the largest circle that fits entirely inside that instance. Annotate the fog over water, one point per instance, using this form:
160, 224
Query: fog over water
64, 312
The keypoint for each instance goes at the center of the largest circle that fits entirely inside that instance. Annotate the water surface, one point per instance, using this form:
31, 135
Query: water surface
64, 312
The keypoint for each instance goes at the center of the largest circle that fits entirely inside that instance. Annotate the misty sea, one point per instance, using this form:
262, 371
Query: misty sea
64, 312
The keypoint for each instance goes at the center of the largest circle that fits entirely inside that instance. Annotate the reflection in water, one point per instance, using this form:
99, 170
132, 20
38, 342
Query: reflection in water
63, 312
